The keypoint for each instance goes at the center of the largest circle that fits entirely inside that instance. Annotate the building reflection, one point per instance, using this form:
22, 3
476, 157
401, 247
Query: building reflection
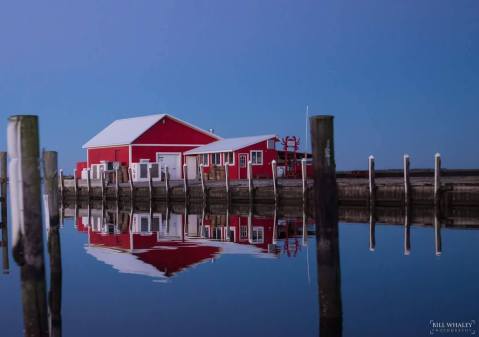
161, 245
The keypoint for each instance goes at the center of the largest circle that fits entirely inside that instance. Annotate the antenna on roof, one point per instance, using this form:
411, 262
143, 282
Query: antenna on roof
212, 131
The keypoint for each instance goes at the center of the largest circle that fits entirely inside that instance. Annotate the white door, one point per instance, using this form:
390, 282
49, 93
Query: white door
191, 170
172, 161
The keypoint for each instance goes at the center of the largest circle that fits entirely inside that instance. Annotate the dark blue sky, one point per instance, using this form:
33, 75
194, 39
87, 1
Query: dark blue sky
399, 75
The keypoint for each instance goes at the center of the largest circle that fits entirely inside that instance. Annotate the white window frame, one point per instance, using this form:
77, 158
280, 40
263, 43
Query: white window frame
232, 163
257, 230
201, 157
251, 157
219, 157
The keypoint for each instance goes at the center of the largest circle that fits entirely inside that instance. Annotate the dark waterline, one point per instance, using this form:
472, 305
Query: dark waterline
241, 289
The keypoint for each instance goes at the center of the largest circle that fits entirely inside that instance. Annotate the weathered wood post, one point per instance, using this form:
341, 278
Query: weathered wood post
132, 187
203, 187
437, 179
88, 183
150, 184
250, 182
117, 183
372, 182
102, 181
3, 202
185, 181
167, 185
275, 180
50, 169
304, 178
27, 247
407, 182
61, 179
75, 180
227, 236
327, 232
227, 185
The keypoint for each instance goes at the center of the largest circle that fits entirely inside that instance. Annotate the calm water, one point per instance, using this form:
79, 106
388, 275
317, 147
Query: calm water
153, 281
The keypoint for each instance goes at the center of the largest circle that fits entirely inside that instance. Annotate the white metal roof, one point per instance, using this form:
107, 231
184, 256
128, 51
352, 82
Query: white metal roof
125, 131
229, 144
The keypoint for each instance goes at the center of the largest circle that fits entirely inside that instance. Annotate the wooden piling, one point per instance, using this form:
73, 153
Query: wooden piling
304, 180
27, 247
102, 181
275, 180
185, 181
62, 184
437, 178
117, 184
132, 187
167, 186
75, 179
150, 184
88, 182
3, 210
250, 182
327, 233
203, 187
50, 167
407, 182
227, 184
372, 182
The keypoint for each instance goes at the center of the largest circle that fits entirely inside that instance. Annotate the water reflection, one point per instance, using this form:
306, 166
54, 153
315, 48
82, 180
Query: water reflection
161, 244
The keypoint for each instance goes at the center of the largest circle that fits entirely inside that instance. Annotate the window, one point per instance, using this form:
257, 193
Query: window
242, 160
155, 224
155, 171
257, 157
243, 232
228, 158
258, 234
271, 144
216, 159
144, 224
203, 159
143, 170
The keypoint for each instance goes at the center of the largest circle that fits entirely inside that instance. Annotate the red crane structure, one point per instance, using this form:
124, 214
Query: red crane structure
291, 163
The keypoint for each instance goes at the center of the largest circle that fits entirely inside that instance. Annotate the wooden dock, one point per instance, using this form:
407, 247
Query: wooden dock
353, 189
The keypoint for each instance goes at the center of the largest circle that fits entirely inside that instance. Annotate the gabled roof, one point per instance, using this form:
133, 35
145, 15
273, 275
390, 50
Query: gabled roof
125, 131
229, 144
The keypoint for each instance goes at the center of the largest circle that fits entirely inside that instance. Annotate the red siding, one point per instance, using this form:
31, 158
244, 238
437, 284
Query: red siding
115, 153
149, 152
79, 167
259, 171
169, 131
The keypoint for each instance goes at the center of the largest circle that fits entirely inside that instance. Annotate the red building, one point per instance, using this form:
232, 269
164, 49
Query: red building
260, 150
160, 139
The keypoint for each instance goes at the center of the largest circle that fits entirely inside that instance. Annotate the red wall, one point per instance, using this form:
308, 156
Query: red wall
79, 167
169, 131
149, 152
115, 153
259, 171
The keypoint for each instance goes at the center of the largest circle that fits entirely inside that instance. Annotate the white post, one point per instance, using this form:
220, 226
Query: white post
62, 183
275, 180
117, 184
185, 179
202, 178
437, 177
130, 180
75, 180
167, 184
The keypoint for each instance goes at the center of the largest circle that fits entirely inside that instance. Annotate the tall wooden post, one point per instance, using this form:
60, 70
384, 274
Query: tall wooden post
27, 247
75, 180
203, 187
250, 182
167, 185
117, 184
61, 181
372, 182
150, 184
50, 169
227, 185
3, 202
304, 178
327, 233
88, 182
185, 181
102, 181
407, 183
275, 180
132, 187
437, 179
